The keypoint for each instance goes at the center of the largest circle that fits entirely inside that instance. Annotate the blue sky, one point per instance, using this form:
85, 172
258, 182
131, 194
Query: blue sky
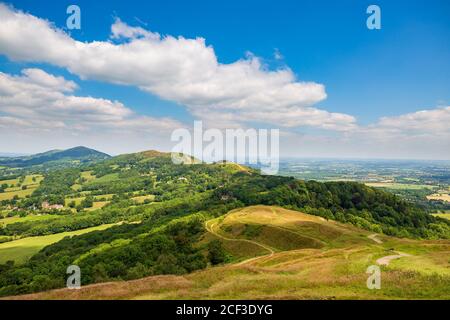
368, 74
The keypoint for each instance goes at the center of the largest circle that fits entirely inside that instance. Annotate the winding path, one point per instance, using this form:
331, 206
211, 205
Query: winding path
384, 261
210, 229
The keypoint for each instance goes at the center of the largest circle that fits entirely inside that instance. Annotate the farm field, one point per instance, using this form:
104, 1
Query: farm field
22, 249
8, 195
443, 215
439, 196
141, 199
15, 186
400, 186
97, 205
29, 218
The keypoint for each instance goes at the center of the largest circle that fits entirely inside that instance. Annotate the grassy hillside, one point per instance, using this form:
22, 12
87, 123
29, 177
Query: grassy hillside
325, 260
166, 207
21, 250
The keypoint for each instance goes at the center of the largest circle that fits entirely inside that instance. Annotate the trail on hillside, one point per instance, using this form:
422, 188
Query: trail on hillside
210, 228
374, 238
384, 261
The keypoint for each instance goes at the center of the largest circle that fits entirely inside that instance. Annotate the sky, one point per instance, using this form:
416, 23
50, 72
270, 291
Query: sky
136, 71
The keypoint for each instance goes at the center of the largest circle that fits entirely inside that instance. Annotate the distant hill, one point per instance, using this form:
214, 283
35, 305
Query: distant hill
12, 155
77, 153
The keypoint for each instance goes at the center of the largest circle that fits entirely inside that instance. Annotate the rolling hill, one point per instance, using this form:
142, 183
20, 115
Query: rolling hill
291, 255
77, 153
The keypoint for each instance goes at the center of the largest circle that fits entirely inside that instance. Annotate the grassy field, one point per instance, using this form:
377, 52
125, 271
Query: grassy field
29, 179
76, 200
15, 187
106, 178
22, 249
97, 205
87, 175
9, 182
141, 199
400, 186
442, 215
102, 200
20, 193
28, 218
439, 196
325, 260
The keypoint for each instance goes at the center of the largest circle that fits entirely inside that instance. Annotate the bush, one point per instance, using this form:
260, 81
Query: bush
216, 252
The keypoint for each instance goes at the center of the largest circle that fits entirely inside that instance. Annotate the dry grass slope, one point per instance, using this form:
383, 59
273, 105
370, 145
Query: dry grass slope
332, 264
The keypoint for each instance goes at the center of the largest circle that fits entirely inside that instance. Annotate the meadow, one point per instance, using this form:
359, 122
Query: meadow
21, 250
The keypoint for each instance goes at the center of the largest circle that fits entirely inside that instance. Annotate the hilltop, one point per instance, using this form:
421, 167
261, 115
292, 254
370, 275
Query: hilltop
77, 153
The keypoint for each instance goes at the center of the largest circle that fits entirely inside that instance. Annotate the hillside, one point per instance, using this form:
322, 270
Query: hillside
152, 217
77, 153
283, 254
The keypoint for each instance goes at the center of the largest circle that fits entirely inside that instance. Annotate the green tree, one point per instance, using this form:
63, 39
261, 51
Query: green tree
216, 252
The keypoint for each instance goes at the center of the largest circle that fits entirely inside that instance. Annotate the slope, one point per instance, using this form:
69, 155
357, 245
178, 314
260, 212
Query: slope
332, 265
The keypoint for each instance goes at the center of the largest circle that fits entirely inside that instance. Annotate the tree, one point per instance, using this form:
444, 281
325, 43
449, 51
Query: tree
216, 252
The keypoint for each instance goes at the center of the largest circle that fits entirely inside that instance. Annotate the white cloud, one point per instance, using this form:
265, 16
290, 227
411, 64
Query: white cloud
39, 101
183, 70
434, 121
423, 134
122, 30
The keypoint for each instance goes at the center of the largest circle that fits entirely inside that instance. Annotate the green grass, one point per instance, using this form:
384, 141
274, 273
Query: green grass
29, 179
97, 205
400, 186
106, 178
20, 193
76, 200
28, 218
88, 176
442, 215
21, 250
104, 196
9, 182
141, 199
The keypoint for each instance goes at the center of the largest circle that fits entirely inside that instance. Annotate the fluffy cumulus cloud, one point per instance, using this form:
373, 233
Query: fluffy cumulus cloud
425, 122
182, 70
36, 100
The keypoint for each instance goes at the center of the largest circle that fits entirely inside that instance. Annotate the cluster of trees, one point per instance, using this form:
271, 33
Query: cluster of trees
3, 187
170, 250
348, 202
